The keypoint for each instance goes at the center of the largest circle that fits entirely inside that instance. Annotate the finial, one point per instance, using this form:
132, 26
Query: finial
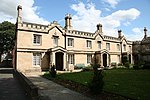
119, 31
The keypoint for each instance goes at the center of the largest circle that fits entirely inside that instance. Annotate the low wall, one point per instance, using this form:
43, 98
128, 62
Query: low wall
29, 87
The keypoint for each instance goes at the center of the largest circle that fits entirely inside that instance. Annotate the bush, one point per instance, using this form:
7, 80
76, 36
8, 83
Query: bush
79, 66
89, 68
53, 71
96, 84
146, 66
136, 67
114, 64
119, 64
139, 65
127, 65
125, 59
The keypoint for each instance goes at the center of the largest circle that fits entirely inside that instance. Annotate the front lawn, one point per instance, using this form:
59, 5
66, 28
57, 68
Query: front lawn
131, 83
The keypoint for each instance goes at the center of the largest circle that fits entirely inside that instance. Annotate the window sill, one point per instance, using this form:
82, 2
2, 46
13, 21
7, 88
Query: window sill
70, 46
89, 48
36, 66
36, 44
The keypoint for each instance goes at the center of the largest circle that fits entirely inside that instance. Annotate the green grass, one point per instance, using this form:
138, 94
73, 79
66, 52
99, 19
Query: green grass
127, 82
131, 83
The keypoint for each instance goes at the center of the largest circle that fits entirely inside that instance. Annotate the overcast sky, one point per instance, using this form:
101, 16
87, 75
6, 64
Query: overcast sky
131, 16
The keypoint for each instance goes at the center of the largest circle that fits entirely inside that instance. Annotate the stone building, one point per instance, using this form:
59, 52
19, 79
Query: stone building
39, 46
141, 49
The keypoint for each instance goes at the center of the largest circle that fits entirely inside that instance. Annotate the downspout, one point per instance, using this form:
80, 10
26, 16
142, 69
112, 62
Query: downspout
121, 52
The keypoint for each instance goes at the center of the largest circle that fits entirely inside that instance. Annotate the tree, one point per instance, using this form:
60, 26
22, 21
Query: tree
97, 83
7, 36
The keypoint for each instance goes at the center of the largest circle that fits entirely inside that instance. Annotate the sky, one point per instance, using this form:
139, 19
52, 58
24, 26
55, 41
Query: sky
131, 16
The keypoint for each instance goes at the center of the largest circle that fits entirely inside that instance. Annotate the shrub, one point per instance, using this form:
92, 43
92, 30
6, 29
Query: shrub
136, 67
53, 71
127, 65
119, 64
146, 66
114, 64
125, 59
96, 84
79, 66
139, 65
89, 68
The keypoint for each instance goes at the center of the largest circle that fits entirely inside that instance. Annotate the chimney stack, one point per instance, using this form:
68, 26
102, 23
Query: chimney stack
145, 33
19, 16
119, 33
99, 28
68, 21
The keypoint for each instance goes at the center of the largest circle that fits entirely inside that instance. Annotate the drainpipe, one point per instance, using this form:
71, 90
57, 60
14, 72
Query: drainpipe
121, 52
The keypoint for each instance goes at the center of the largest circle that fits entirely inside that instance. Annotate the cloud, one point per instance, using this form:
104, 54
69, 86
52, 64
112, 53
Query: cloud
116, 19
137, 34
87, 17
112, 3
30, 14
137, 30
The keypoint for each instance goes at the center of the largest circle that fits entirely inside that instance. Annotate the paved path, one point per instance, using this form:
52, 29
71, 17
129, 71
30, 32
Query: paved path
49, 90
10, 88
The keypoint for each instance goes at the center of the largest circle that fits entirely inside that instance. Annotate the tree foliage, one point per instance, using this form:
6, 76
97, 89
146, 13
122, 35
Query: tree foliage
7, 36
97, 83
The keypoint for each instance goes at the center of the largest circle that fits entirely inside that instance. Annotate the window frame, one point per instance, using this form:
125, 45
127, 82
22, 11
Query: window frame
70, 42
107, 46
119, 59
36, 60
71, 59
130, 48
118, 47
124, 47
99, 44
37, 39
89, 58
55, 41
88, 44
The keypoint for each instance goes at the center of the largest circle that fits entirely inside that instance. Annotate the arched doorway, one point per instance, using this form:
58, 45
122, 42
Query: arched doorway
105, 60
59, 60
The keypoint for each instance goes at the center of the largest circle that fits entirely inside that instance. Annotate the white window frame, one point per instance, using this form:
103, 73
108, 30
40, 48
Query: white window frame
71, 58
118, 47
88, 44
89, 58
108, 46
36, 59
119, 59
55, 41
99, 44
129, 48
37, 39
124, 47
70, 42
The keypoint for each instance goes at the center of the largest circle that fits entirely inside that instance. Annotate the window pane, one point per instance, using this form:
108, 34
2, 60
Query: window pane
108, 46
129, 48
55, 41
118, 47
89, 44
89, 58
37, 39
99, 44
70, 42
70, 58
119, 58
124, 46
36, 59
